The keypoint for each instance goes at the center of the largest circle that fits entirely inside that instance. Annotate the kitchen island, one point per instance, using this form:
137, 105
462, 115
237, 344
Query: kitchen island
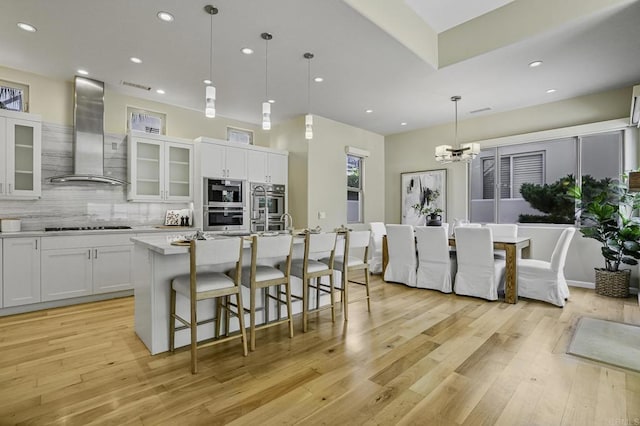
155, 262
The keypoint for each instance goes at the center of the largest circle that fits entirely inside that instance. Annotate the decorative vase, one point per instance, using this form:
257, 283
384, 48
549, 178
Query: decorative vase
434, 220
612, 284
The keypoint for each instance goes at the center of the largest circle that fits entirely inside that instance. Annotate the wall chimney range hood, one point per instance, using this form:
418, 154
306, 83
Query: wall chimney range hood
88, 135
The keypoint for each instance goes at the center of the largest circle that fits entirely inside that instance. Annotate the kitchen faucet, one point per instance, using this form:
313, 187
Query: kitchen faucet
266, 208
284, 217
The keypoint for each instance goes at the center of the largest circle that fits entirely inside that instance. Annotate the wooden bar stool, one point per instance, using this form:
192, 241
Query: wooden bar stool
355, 258
308, 269
208, 285
262, 275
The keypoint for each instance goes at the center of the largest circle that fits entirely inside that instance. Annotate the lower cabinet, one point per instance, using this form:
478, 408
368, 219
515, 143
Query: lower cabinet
84, 265
21, 271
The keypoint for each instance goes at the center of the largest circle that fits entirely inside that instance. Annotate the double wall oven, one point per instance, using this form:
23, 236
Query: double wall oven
269, 200
224, 205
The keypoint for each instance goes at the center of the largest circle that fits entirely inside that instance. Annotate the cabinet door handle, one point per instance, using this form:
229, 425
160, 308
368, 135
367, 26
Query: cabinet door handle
89, 254
10, 190
36, 244
95, 253
1, 184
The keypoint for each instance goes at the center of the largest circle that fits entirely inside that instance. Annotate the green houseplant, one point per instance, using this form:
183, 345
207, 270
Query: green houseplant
607, 216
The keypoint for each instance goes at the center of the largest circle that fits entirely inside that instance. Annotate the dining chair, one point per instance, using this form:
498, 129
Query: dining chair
378, 230
545, 281
502, 231
353, 257
309, 268
479, 274
201, 285
403, 261
435, 265
261, 274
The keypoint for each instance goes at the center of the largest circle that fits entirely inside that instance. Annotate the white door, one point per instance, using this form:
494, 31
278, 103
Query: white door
212, 160
278, 168
66, 273
23, 158
257, 166
146, 174
112, 269
236, 163
178, 172
21, 271
1, 304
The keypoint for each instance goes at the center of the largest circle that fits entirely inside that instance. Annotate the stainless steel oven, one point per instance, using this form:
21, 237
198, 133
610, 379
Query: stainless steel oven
269, 199
224, 207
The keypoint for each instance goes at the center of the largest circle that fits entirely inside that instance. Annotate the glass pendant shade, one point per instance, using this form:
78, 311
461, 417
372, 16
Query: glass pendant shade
210, 102
466, 152
266, 116
308, 126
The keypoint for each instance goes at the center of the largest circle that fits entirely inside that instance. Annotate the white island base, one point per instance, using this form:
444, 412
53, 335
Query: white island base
156, 262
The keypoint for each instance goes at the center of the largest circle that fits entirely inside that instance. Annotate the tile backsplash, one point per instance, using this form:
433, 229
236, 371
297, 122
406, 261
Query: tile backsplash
82, 204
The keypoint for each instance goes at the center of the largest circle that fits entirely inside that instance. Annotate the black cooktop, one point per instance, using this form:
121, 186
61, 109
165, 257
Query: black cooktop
86, 228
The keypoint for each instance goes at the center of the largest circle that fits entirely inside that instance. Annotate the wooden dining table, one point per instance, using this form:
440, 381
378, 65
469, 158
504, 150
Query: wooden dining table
511, 246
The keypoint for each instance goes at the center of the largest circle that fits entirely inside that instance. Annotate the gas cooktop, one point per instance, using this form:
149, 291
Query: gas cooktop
86, 228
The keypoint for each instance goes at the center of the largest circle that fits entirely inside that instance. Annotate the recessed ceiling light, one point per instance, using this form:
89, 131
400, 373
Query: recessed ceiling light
160, 92
404, 123
27, 27
272, 101
318, 79
207, 81
368, 111
135, 60
551, 91
535, 64
83, 72
247, 50
165, 16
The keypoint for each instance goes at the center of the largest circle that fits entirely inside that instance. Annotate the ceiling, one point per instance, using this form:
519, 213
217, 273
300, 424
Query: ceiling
363, 66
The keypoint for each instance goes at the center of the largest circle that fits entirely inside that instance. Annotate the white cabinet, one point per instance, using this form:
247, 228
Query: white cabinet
1, 286
20, 155
21, 271
160, 169
267, 167
74, 266
223, 161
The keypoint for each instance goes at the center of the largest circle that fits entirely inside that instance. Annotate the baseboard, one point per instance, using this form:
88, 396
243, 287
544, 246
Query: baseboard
582, 284
63, 302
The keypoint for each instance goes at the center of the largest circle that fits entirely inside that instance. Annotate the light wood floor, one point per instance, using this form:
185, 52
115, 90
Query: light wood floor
420, 357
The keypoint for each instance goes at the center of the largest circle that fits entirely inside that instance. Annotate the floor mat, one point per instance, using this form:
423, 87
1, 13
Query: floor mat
610, 342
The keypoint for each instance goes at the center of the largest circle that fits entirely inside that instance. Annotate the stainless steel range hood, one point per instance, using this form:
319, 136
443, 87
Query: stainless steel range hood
88, 135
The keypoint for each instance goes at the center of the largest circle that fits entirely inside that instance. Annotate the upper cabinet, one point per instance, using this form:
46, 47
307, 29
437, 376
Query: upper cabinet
267, 167
223, 161
20, 150
160, 168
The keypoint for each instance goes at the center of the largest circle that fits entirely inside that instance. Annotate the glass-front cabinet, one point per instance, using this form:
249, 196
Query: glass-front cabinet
160, 168
20, 164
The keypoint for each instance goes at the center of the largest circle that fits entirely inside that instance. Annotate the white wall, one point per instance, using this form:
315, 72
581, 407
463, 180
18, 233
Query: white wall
324, 161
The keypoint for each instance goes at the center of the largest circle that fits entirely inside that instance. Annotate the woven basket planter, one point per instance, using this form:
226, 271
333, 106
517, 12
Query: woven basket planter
612, 284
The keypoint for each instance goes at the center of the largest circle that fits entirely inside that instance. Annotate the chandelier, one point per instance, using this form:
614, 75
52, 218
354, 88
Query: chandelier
466, 152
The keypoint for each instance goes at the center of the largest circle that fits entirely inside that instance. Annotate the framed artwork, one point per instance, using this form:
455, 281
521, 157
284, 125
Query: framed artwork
423, 192
239, 135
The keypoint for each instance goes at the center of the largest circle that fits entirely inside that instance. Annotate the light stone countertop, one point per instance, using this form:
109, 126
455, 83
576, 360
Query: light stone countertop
133, 230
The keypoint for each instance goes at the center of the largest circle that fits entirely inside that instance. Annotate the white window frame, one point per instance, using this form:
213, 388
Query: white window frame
18, 86
359, 190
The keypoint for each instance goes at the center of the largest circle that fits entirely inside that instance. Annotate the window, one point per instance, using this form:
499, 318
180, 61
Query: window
354, 189
146, 121
533, 177
14, 96
514, 171
239, 135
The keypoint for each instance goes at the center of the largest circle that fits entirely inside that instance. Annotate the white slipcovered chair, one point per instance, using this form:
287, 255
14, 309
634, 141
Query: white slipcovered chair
378, 230
479, 274
502, 231
545, 281
403, 262
435, 266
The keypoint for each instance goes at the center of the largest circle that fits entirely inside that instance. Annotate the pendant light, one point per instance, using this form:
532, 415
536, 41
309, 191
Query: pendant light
266, 106
466, 152
210, 91
308, 119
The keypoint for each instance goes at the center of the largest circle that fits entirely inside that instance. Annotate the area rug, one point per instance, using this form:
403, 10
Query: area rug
610, 342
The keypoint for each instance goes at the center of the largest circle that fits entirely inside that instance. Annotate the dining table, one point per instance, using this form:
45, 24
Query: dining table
511, 246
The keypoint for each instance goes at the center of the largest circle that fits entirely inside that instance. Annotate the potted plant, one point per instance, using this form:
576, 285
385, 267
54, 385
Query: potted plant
607, 216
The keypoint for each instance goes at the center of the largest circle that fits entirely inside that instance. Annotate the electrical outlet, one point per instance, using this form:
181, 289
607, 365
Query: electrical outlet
322, 215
